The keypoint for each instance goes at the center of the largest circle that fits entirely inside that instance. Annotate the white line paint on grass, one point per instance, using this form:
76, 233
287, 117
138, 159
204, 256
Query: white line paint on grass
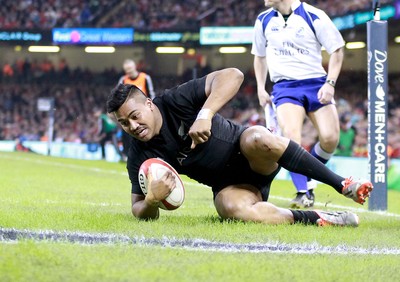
14, 235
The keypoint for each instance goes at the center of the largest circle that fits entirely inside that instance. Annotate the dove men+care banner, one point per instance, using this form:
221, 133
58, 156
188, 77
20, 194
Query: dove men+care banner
378, 111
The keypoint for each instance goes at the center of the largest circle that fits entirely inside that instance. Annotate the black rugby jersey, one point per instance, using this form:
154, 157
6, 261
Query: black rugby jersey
179, 107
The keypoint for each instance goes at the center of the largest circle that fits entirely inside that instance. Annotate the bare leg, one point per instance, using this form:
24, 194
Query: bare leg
244, 202
326, 121
291, 118
264, 150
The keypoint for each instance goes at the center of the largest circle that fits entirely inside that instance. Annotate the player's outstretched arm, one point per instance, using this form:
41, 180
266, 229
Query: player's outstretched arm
222, 86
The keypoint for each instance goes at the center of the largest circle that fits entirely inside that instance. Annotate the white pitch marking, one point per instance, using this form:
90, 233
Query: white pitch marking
196, 244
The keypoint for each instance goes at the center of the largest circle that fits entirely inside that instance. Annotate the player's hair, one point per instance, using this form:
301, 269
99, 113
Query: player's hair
121, 93
128, 61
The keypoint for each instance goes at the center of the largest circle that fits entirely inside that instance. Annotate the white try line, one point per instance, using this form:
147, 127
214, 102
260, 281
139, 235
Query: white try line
125, 174
196, 244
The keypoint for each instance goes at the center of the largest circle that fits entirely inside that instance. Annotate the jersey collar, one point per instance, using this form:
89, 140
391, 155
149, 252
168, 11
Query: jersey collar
295, 5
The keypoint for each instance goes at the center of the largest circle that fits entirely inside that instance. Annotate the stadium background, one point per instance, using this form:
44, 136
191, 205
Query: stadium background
80, 81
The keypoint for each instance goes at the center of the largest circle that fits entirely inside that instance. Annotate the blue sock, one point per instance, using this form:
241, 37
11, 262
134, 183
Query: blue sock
320, 155
299, 181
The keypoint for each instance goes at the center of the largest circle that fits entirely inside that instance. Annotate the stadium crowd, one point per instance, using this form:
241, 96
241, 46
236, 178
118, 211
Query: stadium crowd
145, 14
24, 81
339, 8
46, 14
75, 101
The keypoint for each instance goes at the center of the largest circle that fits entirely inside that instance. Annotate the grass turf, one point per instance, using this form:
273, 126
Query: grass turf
65, 195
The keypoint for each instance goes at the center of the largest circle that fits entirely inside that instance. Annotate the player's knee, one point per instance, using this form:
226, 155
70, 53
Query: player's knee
329, 143
227, 207
237, 202
292, 135
229, 211
257, 139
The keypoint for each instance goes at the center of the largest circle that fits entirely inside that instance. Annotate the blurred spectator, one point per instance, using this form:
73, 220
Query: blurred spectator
144, 82
19, 146
8, 71
347, 136
106, 131
138, 78
45, 14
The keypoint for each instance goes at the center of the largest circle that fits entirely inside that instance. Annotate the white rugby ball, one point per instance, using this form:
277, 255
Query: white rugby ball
158, 169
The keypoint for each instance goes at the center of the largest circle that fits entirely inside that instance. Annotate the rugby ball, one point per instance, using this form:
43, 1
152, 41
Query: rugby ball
158, 168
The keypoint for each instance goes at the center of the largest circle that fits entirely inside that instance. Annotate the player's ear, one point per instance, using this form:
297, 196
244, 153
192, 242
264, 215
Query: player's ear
150, 103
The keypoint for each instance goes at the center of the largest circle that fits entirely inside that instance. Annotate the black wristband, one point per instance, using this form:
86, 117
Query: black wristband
331, 82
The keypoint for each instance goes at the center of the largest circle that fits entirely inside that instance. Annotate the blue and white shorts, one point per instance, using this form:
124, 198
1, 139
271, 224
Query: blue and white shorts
299, 92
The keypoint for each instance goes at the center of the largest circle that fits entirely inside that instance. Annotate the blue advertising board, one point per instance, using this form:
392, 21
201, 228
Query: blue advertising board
24, 36
93, 36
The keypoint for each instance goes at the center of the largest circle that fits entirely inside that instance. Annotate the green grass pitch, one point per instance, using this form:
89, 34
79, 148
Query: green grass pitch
74, 224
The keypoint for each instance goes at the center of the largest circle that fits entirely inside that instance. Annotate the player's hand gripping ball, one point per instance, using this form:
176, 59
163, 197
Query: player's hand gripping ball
158, 168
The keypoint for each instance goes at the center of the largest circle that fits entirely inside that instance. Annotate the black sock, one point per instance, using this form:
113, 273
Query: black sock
305, 217
296, 159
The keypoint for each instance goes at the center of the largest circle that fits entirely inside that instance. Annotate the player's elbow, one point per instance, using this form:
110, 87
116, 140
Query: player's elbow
338, 55
236, 75
143, 215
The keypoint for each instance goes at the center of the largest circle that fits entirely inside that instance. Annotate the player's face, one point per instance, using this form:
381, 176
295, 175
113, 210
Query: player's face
272, 3
130, 69
138, 119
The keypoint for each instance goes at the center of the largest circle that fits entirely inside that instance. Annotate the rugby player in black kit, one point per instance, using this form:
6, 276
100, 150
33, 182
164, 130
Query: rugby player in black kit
183, 128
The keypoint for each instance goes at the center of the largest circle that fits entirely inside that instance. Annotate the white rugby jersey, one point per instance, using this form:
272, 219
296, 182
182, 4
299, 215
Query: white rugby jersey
293, 48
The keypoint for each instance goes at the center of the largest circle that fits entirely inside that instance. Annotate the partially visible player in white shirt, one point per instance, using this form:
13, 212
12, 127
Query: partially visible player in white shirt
287, 43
